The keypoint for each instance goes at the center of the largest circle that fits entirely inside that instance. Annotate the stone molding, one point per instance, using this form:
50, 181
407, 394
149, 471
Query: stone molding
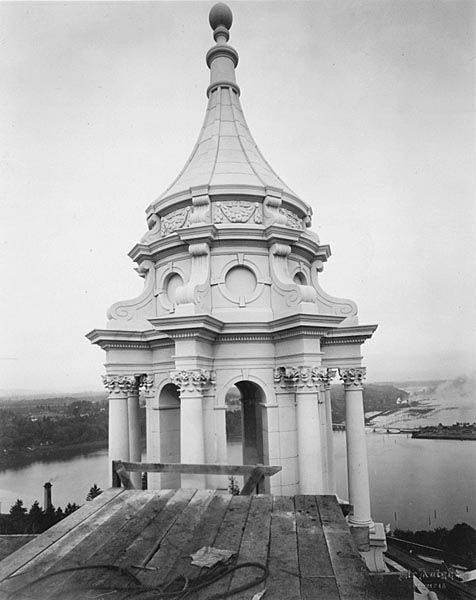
194, 380
311, 378
353, 378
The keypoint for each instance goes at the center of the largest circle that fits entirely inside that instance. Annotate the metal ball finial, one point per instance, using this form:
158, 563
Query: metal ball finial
220, 16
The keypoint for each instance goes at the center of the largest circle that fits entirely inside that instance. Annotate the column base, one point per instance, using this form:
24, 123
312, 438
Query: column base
353, 522
373, 557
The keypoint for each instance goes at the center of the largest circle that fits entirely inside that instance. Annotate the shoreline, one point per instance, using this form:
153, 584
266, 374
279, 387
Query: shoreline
23, 458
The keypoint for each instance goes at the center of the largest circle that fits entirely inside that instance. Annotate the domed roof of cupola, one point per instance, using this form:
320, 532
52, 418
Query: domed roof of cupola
225, 158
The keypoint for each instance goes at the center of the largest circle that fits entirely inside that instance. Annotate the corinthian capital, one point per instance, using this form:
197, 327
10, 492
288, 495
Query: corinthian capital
146, 382
353, 379
301, 377
119, 384
194, 380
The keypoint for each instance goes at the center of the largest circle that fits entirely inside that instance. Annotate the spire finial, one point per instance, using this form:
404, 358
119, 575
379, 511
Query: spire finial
221, 19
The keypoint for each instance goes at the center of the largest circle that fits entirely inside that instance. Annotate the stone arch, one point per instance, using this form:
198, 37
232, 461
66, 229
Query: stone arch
252, 435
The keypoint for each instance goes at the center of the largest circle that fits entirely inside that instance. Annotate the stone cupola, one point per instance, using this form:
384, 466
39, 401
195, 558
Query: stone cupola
232, 301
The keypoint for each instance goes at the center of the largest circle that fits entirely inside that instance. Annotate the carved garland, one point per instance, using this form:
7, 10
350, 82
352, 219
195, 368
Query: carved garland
237, 211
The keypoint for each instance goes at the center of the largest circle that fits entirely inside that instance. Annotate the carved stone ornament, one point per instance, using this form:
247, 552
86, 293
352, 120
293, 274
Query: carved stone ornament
175, 220
146, 383
353, 378
194, 380
331, 373
237, 211
120, 384
310, 377
292, 220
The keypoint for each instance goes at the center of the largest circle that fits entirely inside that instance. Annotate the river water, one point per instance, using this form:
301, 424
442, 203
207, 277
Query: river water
415, 484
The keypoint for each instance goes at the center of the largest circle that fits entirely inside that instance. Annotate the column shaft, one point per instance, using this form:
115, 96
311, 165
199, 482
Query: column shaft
331, 477
357, 468
134, 433
309, 443
323, 440
192, 447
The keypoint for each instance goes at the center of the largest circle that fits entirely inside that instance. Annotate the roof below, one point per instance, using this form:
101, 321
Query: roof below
302, 544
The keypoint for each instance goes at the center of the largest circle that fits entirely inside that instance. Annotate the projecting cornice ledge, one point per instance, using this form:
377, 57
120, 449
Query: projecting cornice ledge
203, 327
349, 335
108, 339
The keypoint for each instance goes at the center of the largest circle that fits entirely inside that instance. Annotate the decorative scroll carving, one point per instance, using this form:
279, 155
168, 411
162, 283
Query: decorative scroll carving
283, 283
120, 384
353, 378
197, 287
192, 381
292, 220
175, 220
201, 210
126, 310
272, 216
330, 374
330, 305
237, 211
310, 377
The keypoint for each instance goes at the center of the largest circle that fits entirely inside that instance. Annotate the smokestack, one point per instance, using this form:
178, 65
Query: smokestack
47, 497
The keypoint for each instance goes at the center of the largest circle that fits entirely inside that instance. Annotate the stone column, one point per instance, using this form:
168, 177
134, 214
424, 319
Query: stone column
134, 429
357, 469
331, 476
192, 446
307, 385
118, 388
321, 406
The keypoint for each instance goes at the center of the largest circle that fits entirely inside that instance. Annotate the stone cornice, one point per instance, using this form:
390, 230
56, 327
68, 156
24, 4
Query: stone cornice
349, 335
123, 339
203, 327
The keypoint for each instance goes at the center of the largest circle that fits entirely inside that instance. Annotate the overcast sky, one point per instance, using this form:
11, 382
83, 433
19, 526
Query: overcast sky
365, 109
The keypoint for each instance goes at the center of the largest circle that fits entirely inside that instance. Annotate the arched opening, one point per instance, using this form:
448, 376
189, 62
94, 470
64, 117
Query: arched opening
244, 424
169, 433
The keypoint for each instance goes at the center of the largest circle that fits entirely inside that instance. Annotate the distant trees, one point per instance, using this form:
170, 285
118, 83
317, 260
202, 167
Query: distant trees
94, 491
376, 397
82, 422
458, 543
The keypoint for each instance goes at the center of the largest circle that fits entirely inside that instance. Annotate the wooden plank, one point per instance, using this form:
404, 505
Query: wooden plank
124, 477
331, 513
117, 544
24, 555
179, 535
203, 535
352, 576
254, 546
251, 483
70, 550
229, 538
53, 558
283, 581
315, 568
196, 469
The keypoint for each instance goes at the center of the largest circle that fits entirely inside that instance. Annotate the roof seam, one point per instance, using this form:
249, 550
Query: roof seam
241, 143
220, 105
